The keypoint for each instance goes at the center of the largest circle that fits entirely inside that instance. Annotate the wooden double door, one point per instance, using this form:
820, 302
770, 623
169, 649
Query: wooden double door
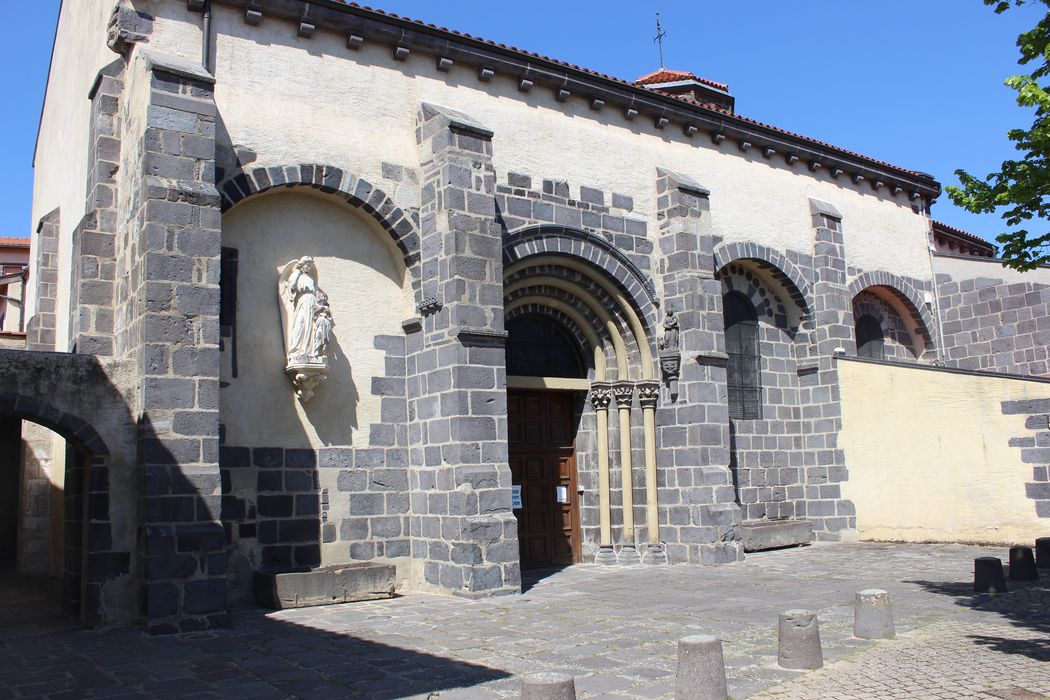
542, 445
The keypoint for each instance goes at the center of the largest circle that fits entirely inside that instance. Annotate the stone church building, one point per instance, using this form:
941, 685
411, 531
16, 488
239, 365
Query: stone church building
315, 285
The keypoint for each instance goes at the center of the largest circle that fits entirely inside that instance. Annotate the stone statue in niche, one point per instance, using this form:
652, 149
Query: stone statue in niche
307, 320
670, 357
669, 343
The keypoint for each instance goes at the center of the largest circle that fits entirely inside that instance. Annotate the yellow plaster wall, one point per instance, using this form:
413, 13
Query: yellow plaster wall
929, 457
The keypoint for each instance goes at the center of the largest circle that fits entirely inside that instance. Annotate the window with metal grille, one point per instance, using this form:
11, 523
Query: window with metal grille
870, 341
744, 367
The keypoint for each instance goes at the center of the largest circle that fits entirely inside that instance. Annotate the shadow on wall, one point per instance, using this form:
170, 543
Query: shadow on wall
1026, 605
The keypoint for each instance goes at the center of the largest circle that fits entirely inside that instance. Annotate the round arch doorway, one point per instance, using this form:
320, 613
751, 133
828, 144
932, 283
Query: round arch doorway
546, 387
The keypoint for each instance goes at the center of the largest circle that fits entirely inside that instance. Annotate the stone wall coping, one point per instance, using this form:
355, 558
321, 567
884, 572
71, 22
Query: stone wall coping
951, 370
158, 61
819, 206
684, 183
458, 120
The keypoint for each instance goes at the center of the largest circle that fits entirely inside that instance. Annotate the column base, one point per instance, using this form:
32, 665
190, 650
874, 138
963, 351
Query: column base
654, 555
628, 556
605, 557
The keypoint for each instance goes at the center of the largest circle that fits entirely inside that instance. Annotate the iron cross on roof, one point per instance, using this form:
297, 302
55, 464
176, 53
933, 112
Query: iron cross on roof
659, 38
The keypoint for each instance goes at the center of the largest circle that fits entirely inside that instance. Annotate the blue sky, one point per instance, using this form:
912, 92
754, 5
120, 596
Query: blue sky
916, 83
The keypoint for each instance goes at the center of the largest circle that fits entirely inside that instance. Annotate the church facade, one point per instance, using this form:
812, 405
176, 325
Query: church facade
368, 290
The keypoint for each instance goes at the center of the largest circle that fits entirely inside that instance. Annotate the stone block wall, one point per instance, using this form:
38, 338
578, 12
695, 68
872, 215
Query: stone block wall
1035, 448
168, 300
993, 325
94, 240
40, 330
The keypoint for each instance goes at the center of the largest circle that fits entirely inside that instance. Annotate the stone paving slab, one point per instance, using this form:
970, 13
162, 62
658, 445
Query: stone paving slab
614, 628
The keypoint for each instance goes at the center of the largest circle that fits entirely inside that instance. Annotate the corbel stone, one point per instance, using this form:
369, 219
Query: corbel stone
791, 158
660, 122
307, 29
836, 172
253, 17
195, 5
597, 104
717, 137
445, 64
744, 146
877, 185
412, 325
401, 53
768, 152
429, 306
630, 113
896, 190
689, 129
524, 85
858, 178
561, 94
814, 166
127, 26
485, 74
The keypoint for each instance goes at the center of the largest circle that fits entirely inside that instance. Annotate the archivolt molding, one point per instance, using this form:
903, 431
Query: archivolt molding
330, 179
776, 263
592, 249
903, 290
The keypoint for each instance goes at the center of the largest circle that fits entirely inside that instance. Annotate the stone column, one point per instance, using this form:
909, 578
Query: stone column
464, 530
169, 293
702, 519
624, 393
648, 395
601, 397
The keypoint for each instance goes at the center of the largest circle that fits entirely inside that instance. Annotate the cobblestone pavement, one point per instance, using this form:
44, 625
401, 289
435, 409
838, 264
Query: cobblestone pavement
615, 629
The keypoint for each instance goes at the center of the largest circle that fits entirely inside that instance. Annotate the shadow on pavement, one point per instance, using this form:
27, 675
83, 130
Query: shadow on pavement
530, 577
1025, 605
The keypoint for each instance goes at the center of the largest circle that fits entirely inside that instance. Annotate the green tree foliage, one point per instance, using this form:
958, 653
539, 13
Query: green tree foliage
1023, 185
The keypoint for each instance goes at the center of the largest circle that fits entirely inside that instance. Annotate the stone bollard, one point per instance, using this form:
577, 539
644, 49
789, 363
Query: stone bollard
1042, 552
548, 686
701, 669
873, 615
1022, 564
799, 640
988, 575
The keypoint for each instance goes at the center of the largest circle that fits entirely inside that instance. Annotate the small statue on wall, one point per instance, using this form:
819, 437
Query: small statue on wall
670, 357
307, 320
669, 343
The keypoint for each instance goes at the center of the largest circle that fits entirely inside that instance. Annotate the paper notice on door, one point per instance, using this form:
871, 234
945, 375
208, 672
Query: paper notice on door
515, 496
561, 493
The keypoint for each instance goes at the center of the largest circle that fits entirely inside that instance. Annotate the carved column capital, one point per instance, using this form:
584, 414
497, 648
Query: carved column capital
624, 393
601, 396
648, 394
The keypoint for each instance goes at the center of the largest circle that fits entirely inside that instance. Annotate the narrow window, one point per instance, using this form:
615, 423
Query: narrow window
743, 371
870, 341
228, 305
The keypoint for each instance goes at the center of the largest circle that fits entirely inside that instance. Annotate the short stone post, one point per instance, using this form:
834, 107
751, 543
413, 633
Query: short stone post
548, 686
873, 615
799, 640
701, 669
1022, 564
1042, 553
988, 575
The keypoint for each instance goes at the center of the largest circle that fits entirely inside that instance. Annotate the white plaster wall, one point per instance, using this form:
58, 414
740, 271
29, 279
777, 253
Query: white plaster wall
359, 269
972, 268
60, 166
929, 457
292, 100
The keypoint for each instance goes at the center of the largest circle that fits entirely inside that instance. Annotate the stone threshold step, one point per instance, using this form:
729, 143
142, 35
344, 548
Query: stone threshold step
330, 585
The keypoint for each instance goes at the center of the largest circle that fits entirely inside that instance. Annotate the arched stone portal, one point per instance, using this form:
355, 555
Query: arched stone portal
601, 305
85, 401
